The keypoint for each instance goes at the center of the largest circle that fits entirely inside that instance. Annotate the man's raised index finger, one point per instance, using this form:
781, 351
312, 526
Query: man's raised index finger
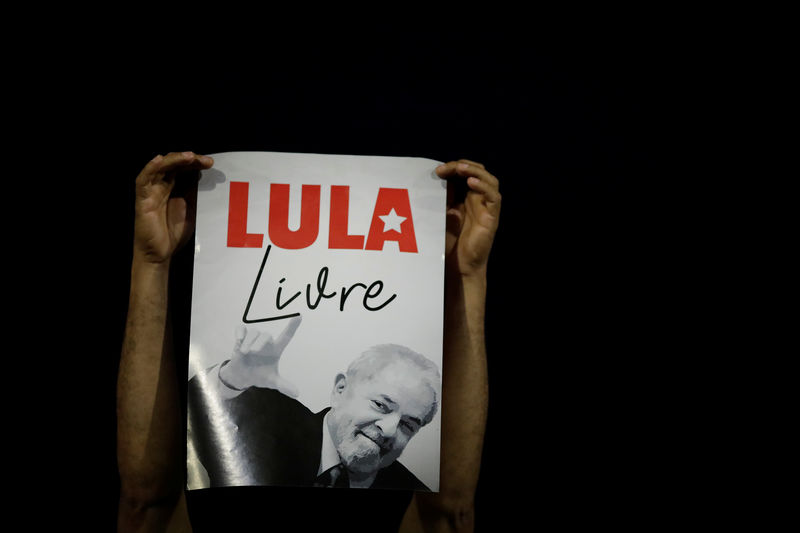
287, 334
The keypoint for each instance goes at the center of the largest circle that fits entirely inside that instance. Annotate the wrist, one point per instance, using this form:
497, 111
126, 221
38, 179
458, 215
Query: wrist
230, 378
474, 278
143, 260
146, 275
465, 297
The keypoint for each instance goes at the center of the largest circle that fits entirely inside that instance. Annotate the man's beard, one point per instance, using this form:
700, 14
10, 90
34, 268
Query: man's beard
360, 451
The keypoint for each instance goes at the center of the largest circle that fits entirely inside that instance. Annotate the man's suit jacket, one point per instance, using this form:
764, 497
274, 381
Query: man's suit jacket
275, 437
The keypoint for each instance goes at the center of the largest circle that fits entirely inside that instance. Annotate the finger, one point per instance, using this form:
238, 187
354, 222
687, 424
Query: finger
158, 167
189, 193
465, 168
247, 345
184, 161
260, 346
489, 192
241, 333
468, 170
184, 184
446, 169
472, 172
472, 163
176, 213
453, 221
287, 334
450, 167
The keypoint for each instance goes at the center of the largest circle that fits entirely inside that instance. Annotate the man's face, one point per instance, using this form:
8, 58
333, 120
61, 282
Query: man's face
372, 419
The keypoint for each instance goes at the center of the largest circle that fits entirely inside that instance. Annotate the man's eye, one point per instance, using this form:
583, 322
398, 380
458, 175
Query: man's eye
378, 405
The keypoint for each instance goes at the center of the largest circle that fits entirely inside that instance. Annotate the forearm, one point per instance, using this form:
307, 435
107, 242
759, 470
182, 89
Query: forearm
148, 408
465, 393
464, 406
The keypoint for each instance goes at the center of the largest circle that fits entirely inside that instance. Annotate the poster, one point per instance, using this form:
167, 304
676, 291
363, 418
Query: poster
304, 264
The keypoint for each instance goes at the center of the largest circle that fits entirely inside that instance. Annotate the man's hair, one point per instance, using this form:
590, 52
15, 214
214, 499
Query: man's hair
380, 356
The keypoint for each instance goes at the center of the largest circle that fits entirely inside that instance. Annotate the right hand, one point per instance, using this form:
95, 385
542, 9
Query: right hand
255, 359
164, 217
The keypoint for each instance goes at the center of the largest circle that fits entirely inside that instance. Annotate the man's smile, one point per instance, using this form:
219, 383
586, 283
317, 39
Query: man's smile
383, 448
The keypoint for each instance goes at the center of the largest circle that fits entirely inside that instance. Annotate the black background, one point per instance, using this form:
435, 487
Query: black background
573, 124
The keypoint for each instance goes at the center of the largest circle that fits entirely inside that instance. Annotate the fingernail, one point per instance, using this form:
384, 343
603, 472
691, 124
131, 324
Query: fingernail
463, 166
188, 155
206, 160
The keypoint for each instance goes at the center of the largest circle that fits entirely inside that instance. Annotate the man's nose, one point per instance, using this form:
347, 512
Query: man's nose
388, 424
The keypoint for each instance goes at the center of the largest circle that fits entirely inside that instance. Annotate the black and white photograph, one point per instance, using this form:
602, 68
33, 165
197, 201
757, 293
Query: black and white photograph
316, 332
261, 435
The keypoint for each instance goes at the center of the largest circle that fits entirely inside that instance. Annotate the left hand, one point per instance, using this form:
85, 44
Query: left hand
472, 220
164, 214
254, 362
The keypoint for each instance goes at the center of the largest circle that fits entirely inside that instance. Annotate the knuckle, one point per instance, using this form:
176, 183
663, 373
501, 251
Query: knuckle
474, 163
177, 158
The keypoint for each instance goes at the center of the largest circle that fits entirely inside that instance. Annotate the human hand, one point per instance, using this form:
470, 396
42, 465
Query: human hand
472, 218
166, 192
255, 358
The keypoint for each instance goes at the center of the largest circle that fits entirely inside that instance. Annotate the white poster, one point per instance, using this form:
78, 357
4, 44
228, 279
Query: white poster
316, 328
